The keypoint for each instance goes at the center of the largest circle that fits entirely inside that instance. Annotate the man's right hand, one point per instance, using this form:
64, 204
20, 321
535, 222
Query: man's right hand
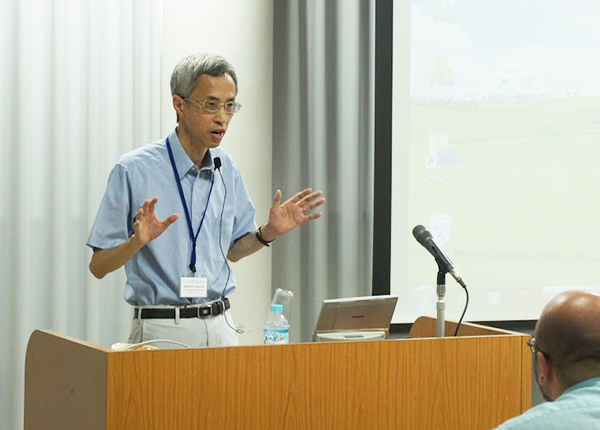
147, 227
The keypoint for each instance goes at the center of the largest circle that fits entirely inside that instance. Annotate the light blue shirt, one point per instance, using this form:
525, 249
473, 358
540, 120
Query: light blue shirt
578, 408
154, 273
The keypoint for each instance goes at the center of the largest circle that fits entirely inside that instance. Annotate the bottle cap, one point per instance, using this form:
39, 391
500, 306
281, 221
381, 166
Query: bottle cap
277, 308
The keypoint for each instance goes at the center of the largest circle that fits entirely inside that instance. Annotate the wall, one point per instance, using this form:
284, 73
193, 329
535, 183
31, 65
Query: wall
242, 32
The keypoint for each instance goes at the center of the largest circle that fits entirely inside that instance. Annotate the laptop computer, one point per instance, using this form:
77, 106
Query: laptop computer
355, 318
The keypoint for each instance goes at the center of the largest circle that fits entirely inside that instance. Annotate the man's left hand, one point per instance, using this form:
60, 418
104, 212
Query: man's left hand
291, 214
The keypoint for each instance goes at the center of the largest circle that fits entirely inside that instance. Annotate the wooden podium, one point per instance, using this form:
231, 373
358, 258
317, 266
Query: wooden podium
475, 381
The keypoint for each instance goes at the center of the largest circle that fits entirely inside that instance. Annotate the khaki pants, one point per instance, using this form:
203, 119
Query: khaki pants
194, 332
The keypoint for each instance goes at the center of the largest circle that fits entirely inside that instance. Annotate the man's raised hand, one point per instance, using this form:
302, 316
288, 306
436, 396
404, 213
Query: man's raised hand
292, 213
147, 227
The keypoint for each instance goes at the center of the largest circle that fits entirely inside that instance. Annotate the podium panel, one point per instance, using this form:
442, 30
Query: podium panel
474, 381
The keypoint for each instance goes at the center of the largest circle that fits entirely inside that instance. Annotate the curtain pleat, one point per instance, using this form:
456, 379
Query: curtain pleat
323, 137
79, 85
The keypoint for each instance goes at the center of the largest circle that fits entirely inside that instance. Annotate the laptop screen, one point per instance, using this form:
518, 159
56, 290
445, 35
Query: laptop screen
356, 313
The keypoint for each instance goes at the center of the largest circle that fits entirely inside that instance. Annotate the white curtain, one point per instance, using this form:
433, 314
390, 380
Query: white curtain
323, 136
79, 85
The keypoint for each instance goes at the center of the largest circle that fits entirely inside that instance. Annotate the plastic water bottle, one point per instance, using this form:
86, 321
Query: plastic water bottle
277, 328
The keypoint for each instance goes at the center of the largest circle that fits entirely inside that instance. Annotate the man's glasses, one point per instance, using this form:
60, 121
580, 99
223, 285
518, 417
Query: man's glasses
534, 347
213, 106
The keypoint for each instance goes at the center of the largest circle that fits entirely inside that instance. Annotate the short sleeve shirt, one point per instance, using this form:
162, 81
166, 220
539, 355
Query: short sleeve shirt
578, 408
154, 273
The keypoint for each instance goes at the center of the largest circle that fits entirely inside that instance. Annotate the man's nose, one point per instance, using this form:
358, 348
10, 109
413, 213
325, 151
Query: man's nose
221, 114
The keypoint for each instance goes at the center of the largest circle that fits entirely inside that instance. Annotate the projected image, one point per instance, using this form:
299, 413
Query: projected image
504, 153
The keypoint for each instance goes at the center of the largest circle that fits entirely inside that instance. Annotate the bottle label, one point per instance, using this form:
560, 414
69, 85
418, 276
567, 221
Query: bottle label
273, 336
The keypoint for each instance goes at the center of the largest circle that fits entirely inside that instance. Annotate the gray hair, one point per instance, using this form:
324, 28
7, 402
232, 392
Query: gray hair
187, 72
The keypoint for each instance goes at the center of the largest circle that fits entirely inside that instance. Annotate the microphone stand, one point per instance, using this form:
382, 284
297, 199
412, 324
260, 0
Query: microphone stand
441, 304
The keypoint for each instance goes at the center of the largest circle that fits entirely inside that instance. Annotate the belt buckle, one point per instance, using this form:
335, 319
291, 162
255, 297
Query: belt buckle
203, 311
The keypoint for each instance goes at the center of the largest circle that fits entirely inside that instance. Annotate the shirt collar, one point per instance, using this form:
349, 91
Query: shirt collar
583, 384
182, 161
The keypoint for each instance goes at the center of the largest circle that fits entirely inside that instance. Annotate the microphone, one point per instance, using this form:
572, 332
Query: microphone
445, 265
217, 161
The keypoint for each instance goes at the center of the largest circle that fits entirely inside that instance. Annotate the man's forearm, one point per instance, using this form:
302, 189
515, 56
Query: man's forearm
108, 260
247, 245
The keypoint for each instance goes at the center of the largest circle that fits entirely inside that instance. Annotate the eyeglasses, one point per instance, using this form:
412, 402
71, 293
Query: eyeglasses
213, 106
534, 347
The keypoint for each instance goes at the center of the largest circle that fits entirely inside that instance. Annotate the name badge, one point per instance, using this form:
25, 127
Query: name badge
193, 287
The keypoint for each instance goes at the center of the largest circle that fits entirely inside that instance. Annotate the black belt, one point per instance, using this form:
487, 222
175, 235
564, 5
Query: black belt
204, 311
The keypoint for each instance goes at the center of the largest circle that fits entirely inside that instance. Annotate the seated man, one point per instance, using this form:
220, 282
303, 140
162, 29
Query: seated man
567, 365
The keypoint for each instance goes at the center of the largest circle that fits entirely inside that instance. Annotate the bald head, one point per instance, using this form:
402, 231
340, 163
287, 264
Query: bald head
568, 332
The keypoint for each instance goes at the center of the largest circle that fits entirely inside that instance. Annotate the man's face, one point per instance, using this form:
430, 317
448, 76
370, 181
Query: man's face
205, 129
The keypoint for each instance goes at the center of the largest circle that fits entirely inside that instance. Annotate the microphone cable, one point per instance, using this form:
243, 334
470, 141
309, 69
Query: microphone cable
128, 347
237, 330
464, 311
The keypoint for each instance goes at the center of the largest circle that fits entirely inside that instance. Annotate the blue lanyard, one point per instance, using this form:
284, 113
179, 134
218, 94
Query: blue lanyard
193, 236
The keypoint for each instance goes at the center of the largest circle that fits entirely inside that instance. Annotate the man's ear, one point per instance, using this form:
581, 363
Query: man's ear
544, 370
548, 380
178, 103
